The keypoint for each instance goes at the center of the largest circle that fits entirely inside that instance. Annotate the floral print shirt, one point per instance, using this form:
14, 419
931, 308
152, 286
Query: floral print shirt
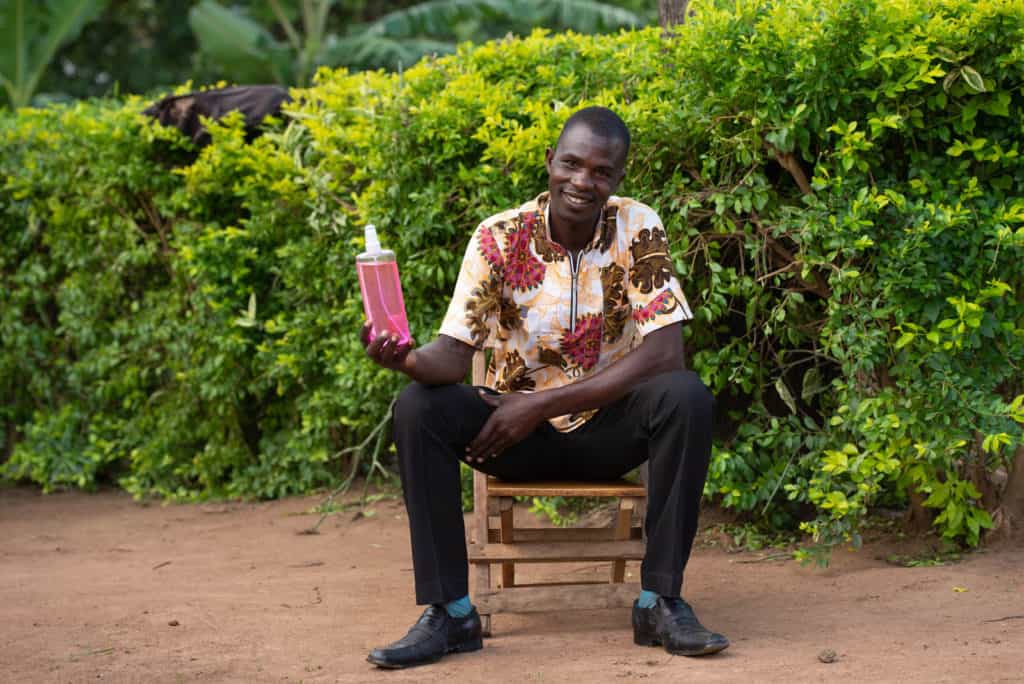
552, 318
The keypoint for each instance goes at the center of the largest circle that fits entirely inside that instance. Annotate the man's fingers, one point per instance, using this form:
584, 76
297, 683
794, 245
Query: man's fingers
492, 446
364, 334
387, 352
476, 451
478, 441
385, 349
382, 350
373, 348
480, 448
403, 349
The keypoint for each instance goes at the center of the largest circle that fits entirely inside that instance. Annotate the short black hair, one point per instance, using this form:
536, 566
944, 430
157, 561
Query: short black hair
602, 121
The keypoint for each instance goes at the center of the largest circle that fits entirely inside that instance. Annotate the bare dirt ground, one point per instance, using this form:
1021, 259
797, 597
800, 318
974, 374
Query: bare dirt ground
100, 588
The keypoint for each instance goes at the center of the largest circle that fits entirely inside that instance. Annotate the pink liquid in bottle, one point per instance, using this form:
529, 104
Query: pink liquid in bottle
383, 303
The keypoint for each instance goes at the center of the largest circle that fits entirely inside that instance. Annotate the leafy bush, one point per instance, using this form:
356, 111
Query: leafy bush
839, 179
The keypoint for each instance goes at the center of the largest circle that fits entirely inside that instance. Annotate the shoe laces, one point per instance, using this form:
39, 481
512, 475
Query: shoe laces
433, 617
681, 612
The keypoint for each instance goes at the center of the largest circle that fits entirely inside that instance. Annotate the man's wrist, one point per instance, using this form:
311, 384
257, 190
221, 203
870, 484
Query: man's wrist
409, 364
548, 402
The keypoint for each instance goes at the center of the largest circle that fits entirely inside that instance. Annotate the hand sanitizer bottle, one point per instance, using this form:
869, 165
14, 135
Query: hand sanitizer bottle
383, 303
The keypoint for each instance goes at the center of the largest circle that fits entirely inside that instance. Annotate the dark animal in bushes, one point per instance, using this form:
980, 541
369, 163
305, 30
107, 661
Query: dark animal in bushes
184, 111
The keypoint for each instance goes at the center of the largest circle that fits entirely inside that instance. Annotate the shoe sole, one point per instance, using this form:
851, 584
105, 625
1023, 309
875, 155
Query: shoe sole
642, 640
466, 647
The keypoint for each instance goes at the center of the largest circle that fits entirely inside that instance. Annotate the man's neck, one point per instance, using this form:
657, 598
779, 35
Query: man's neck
574, 237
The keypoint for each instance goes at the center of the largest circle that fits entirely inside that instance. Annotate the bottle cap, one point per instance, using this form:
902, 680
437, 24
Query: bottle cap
372, 241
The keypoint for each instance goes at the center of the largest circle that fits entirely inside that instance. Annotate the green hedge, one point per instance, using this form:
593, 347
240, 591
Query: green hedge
839, 179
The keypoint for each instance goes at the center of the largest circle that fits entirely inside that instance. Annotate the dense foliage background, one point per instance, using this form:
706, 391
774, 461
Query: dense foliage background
57, 50
840, 180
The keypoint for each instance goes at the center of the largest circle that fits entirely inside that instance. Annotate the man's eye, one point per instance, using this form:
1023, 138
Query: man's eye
569, 163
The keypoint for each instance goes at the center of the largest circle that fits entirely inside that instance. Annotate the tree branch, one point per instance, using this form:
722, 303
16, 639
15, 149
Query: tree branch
818, 287
791, 164
671, 13
376, 436
289, 30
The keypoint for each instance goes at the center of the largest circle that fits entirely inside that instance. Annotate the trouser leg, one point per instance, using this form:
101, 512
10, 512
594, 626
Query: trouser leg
667, 421
680, 451
432, 426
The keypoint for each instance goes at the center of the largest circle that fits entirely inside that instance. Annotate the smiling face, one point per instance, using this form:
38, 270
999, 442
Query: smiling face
583, 171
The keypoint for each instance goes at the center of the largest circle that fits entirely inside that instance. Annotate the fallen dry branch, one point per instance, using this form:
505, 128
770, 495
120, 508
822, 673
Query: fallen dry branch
377, 437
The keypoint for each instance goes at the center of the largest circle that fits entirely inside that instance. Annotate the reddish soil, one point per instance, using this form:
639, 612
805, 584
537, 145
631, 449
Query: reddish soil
98, 587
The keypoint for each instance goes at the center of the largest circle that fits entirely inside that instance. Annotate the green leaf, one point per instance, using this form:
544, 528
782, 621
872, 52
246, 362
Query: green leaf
239, 44
973, 79
248, 317
812, 384
905, 339
950, 79
785, 394
375, 51
31, 33
439, 16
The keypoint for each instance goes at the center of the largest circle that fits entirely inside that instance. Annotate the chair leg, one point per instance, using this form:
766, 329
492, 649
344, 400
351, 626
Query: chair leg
623, 525
508, 569
483, 570
485, 624
645, 471
483, 583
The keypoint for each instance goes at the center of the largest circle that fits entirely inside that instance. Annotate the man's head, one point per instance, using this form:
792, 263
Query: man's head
586, 166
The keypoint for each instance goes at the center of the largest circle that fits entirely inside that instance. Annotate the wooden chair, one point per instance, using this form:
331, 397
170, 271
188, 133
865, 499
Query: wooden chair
496, 540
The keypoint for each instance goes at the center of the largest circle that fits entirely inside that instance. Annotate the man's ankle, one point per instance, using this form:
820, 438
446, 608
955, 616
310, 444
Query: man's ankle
459, 608
647, 599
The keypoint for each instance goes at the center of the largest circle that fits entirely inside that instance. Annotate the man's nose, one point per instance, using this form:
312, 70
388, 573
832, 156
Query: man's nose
581, 179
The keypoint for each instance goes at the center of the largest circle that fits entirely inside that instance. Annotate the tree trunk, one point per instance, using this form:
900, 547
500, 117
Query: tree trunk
671, 12
980, 477
1012, 506
918, 519
10, 439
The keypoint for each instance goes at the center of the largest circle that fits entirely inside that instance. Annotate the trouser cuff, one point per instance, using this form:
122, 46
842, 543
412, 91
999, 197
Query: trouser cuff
444, 590
667, 585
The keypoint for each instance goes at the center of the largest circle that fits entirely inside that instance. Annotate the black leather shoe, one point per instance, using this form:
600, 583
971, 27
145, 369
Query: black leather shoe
671, 622
435, 634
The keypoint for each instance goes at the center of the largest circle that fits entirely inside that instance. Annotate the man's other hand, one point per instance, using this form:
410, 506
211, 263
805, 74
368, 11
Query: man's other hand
386, 351
515, 416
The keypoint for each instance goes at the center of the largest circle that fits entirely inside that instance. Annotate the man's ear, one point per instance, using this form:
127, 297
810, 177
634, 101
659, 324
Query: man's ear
622, 167
618, 181
549, 154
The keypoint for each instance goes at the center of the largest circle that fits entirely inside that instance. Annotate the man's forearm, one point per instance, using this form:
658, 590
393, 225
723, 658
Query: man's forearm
441, 362
661, 352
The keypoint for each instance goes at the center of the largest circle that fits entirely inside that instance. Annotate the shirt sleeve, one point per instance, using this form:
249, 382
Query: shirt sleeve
652, 287
473, 312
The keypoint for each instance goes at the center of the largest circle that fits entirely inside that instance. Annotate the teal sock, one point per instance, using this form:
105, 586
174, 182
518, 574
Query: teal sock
647, 599
459, 608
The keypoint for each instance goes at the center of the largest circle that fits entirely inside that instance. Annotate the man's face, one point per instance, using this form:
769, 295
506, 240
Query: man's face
583, 171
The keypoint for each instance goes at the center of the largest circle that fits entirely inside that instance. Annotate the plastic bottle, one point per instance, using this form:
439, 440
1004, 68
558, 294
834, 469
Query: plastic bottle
383, 303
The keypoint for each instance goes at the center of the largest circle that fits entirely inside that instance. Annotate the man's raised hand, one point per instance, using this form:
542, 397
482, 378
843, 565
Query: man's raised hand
385, 350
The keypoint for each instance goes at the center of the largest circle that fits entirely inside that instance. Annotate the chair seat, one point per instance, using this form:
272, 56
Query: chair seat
609, 488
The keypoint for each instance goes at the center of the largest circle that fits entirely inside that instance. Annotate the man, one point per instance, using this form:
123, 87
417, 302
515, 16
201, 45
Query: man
575, 294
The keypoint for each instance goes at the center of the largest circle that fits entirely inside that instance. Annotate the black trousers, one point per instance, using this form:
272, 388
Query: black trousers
666, 420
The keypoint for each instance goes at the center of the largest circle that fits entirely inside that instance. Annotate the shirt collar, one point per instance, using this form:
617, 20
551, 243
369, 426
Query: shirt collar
543, 202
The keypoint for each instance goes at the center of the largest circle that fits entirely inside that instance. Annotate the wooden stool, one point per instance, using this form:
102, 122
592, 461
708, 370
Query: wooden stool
495, 539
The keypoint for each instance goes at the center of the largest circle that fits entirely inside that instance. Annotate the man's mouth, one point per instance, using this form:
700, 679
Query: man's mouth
574, 200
